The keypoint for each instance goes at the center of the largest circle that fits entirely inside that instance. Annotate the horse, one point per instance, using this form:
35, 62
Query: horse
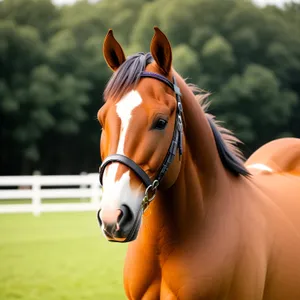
200, 221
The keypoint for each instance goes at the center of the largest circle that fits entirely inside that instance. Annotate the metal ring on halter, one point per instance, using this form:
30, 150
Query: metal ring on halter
146, 200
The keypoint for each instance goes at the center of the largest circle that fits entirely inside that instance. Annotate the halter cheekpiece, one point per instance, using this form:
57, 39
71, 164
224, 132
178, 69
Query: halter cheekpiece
176, 143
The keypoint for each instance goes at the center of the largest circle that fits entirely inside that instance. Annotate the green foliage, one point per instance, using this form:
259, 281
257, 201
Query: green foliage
53, 74
38, 14
256, 87
185, 61
218, 59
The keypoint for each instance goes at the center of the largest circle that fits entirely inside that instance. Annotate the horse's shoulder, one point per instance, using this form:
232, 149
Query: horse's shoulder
281, 155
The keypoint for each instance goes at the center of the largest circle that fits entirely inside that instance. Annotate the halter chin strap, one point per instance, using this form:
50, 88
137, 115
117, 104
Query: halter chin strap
176, 143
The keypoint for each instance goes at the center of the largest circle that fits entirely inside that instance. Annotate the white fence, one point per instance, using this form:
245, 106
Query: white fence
86, 188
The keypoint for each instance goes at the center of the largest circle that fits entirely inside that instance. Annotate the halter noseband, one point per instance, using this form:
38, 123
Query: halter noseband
176, 143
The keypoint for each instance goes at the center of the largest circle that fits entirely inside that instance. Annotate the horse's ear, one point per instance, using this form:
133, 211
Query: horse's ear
161, 50
112, 51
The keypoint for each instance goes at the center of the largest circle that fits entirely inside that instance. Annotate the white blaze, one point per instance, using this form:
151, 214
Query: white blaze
114, 190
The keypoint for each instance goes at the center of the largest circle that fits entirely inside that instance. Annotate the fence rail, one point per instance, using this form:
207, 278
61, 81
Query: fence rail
38, 187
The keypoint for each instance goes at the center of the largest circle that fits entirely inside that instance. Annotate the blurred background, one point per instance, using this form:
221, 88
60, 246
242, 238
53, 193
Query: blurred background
52, 73
52, 76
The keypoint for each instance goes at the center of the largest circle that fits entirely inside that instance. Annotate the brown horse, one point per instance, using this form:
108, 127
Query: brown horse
213, 230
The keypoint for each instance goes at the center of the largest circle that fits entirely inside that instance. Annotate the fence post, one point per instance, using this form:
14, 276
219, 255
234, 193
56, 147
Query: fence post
36, 195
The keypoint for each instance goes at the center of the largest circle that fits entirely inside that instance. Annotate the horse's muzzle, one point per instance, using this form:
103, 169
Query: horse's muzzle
119, 225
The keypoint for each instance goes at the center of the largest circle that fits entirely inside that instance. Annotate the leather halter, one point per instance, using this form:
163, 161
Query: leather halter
176, 143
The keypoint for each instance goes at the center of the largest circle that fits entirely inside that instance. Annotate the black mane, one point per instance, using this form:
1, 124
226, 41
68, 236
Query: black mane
230, 160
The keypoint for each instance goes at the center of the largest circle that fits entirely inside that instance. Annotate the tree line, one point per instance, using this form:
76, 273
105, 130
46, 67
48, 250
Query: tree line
52, 72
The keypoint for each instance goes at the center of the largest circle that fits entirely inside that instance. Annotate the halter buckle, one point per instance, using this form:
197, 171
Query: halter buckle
180, 129
148, 199
177, 90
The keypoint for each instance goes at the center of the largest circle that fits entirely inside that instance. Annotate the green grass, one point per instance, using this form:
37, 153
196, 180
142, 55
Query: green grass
58, 256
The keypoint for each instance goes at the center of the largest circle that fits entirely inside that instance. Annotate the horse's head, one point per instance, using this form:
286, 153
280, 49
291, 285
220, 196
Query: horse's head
142, 136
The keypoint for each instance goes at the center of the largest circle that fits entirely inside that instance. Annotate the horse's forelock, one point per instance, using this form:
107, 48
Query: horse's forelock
127, 76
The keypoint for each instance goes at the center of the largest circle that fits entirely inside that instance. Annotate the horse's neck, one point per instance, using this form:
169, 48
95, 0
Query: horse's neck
176, 211
178, 215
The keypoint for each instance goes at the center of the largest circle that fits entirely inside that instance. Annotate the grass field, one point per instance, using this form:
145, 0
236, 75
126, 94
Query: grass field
58, 256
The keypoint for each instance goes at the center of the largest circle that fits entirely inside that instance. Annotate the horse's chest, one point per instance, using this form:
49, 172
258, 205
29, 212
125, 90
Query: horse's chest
175, 279
184, 279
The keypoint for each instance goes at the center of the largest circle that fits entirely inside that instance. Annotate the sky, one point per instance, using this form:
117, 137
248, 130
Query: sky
259, 2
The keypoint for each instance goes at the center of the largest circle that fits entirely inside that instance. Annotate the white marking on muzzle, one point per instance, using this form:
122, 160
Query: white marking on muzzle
114, 190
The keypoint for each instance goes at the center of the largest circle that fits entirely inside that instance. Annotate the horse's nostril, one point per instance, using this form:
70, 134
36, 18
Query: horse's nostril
125, 216
118, 220
120, 216
115, 221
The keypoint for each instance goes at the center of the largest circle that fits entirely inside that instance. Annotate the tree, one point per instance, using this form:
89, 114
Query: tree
52, 73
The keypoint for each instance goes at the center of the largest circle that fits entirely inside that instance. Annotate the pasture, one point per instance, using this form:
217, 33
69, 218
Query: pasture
58, 256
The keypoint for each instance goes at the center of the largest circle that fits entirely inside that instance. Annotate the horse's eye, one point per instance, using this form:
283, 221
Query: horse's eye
160, 124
